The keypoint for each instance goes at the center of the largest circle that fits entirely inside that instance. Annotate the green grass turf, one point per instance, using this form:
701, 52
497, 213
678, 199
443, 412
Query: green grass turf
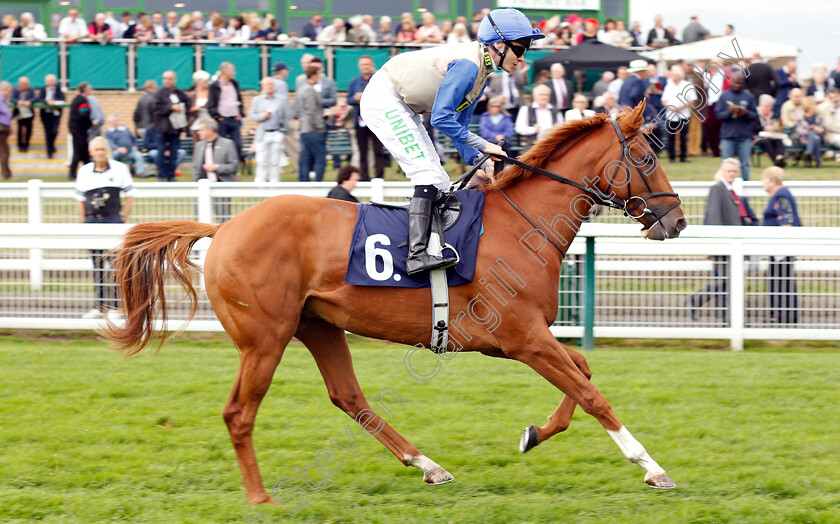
748, 437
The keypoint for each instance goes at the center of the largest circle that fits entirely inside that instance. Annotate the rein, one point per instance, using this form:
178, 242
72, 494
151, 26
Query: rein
609, 200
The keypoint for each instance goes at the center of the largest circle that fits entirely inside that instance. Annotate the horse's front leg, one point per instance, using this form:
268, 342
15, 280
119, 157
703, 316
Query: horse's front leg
551, 360
561, 418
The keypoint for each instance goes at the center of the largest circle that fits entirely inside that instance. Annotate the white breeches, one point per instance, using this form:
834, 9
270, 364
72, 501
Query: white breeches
400, 130
271, 157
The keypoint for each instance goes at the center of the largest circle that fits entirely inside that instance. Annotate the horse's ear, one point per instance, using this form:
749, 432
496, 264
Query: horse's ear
640, 109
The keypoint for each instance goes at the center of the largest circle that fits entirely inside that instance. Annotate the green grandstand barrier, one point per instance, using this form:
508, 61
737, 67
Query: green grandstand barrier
153, 61
33, 62
291, 57
346, 63
104, 66
246, 61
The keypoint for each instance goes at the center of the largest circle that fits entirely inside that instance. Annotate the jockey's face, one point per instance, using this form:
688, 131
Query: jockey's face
511, 61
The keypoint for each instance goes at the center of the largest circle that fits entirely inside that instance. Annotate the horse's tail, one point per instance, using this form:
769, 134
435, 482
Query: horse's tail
148, 254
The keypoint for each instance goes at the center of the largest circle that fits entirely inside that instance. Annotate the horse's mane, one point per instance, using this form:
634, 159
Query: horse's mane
541, 151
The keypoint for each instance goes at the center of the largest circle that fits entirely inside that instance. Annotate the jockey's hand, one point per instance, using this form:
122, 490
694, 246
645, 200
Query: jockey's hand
483, 174
495, 150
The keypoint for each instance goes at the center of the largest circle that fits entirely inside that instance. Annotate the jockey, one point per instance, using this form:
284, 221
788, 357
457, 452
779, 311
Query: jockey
445, 81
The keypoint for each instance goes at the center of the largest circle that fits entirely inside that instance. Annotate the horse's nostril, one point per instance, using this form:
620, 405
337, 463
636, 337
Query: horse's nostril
681, 224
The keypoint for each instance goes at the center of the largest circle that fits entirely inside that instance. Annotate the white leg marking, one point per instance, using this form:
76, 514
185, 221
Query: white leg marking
432, 473
421, 462
635, 452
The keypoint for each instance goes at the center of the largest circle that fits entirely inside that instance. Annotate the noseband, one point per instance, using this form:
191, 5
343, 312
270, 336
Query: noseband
607, 199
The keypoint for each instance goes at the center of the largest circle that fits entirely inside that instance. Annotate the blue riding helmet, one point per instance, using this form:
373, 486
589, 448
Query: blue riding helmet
507, 25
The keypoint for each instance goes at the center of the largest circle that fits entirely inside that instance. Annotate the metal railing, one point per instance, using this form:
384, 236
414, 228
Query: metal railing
53, 202
613, 284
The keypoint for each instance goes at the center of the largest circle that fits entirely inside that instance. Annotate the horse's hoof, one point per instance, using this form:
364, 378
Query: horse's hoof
264, 499
437, 476
529, 439
661, 481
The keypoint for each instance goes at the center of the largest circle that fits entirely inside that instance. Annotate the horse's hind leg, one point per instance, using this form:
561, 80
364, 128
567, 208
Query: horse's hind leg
561, 418
257, 363
328, 345
551, 360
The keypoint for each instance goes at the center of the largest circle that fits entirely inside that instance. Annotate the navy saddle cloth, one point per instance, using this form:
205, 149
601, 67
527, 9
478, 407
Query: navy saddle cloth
375, 259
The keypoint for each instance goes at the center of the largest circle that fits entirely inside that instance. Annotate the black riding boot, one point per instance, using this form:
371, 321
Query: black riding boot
419, 228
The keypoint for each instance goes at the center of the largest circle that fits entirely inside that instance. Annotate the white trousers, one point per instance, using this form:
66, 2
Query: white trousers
400, 130
270, 157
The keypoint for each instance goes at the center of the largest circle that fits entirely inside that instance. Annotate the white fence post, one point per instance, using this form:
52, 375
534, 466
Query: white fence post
205, 202
36, 216
377, 190
737, 291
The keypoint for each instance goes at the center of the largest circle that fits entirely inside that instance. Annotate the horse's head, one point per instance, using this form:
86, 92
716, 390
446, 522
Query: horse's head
633, 174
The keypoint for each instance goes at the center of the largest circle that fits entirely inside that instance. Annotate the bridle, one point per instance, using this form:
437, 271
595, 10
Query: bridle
627, 206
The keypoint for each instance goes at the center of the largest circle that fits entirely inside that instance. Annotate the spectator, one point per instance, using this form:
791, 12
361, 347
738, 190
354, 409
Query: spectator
237, 31
99, 187
496, 124
325, 86
112, 22
606, 104
781, 284
714, 77
10, 28
79, 125
211, 20
601, 85
143, 31
636, 33
724, 207
123, 145
291, 144
340, 116
144, 111
535, 120
199, 95
736, 111
23, 96
152, 142
446, 27
385, 33
672, 35
225, 105
695, 124
829, 112
564, 36
313, 28
579, 108
590, 31
605, 34
270, 111
52, 96
678, 112
560, 88
428, 33
216, 159
171, 31
762, 79
791, 110
217, 29
97, 116
360, 33
313, 133
186, 30
252, 20
407, 32
458, 35
820, 83
99, 31
621, 75
72, 28
29, 30
767, 131
835, 75
729, 30
271, 30
619, 37
122, 28
171, 106
364, 136
348, 177
199, 30
658, 36
337, 32
159, 26
509, 87
785, 82
5, 128
809, 131
635, 84
694, 31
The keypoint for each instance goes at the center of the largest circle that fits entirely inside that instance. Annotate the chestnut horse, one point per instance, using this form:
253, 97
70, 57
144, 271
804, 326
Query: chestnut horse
277, 270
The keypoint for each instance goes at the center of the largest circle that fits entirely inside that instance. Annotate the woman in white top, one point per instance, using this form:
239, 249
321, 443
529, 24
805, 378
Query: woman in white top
30, 30
458, 35
199, 95
535, 120
237, 30
579, 108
